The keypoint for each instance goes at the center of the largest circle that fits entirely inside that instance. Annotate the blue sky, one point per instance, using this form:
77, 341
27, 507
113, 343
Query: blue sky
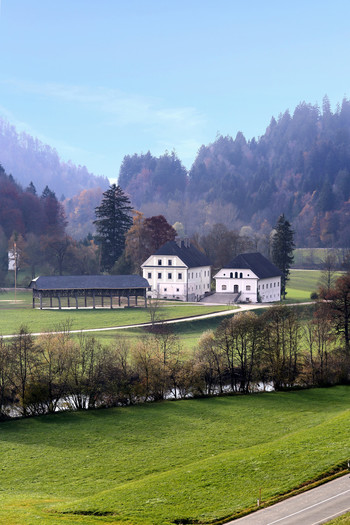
101, 79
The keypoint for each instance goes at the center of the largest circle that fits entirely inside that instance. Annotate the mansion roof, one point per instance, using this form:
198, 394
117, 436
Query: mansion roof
262, 267
188, 254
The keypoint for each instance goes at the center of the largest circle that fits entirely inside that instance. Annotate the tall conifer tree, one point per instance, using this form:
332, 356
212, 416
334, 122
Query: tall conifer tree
112, 222
282, 250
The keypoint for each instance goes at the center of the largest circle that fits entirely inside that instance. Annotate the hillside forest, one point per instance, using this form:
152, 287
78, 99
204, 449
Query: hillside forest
299, 167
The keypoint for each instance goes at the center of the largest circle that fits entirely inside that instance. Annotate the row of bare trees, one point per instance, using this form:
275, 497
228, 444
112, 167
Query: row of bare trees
282, 348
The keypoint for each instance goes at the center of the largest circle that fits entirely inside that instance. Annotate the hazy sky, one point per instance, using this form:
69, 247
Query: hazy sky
101, 79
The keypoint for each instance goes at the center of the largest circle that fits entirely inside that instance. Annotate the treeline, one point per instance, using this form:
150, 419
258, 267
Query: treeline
300, 166
282, 348
33, 231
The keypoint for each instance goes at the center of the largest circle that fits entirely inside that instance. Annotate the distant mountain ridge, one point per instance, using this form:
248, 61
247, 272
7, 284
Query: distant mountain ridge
299, 167
28, 159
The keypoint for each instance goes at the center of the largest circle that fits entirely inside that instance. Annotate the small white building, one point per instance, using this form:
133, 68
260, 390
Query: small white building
252, 277
177, 270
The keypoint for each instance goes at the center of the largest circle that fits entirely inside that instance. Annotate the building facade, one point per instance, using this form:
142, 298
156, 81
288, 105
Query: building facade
177, 270
253, 277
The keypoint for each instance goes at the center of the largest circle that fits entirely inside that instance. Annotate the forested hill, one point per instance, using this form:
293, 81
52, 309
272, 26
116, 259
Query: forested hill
299, 167
28, 159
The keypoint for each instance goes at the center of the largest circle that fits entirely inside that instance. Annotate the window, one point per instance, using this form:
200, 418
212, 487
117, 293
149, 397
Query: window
159, 262
241, 275
170, 262
223, 287
149, 275
165, 289
170, 275
263, 286
248, 287
274, 285
159, 275
236, 275
231, 275
177, 289
270, 285
179, 276
278, 283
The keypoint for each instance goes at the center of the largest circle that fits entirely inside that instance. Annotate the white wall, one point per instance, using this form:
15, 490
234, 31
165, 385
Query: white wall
169, 277
248, 284
270, 289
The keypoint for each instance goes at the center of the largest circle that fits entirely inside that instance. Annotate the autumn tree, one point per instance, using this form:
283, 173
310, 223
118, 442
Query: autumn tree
328, 272
281, 345
221, 245
158, 232
145, 236
24, 359
112, 222
318, 336
239, 340
338, 300
282, 250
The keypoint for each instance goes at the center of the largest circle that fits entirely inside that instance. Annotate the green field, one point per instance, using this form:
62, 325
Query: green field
13, 314
158, 463
301, 284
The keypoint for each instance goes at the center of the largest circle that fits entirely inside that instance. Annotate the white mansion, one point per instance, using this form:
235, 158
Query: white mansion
177, 270
252, 277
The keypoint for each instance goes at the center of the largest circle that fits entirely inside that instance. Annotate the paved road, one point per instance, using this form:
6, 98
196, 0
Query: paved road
313, 507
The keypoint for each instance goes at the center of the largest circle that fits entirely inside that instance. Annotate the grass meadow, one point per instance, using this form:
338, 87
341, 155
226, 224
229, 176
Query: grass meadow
13, 314
165, 463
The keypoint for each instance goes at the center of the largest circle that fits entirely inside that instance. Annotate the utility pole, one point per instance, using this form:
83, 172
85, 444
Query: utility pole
15, 256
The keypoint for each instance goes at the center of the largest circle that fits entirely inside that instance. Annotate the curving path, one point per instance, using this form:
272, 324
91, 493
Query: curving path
241, 308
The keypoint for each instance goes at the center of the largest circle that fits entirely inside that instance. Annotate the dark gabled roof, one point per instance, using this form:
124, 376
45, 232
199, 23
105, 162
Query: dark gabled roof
88, 282
186, 252
256, 262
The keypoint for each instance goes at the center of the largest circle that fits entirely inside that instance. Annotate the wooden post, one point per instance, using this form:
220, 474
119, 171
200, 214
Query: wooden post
59, 301
136, 300
128, 299
50, 301
85, 298
93, 298
119, 298
111, 299
41, 301
102, 300
76, 301
145, 295
68, 302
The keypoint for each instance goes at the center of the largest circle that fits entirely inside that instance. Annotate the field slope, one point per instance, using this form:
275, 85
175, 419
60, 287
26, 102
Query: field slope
195, 460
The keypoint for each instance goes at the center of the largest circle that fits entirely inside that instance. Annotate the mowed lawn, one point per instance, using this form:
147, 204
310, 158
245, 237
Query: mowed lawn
14, 314
302, 283
163, 463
